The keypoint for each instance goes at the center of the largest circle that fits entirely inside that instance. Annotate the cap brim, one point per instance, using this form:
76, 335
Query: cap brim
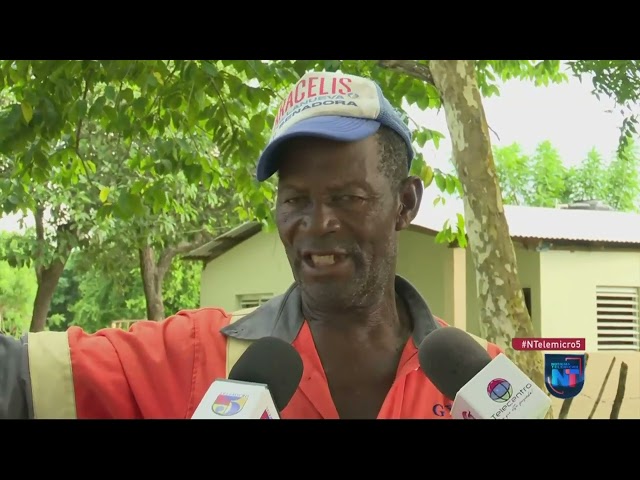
342, 129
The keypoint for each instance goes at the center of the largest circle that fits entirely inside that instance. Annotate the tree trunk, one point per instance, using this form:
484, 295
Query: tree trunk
152, 284
503, 313
47, 282
154, 272
49, 275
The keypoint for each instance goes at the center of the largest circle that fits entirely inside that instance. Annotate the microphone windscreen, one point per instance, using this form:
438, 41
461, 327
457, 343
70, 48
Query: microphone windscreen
273, 362
450, 358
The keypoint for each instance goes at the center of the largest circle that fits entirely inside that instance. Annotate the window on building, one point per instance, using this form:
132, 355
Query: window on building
527, 298
617, 318
253, 300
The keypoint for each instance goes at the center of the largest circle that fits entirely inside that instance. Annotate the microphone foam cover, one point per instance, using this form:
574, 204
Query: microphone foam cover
450, 358
273, 362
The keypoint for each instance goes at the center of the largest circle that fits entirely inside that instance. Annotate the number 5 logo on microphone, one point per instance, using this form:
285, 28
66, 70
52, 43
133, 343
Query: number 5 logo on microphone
227, 405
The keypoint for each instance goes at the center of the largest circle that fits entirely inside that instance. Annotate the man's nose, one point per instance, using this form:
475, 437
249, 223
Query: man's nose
321, 219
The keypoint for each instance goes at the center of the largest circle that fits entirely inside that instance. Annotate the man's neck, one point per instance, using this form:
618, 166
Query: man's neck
383, 321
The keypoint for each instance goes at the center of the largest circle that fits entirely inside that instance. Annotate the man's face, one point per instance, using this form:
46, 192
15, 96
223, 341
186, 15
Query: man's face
337, 217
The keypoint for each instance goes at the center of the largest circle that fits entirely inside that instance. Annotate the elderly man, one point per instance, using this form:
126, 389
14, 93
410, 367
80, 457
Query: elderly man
342, 155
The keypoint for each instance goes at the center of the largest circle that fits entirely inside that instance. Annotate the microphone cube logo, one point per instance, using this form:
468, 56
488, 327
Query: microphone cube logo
229, 404
499, 390
564, 374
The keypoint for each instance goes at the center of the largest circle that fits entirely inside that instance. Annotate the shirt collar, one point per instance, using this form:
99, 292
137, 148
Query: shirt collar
282, 317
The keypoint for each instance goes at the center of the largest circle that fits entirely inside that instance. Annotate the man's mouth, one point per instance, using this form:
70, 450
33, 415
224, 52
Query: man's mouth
323, 260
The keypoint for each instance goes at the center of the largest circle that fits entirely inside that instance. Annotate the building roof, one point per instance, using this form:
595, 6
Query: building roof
567, 225
580, 225
225, 242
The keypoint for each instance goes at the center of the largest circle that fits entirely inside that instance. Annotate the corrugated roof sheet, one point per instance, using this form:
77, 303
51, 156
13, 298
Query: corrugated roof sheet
225, 242
546, 223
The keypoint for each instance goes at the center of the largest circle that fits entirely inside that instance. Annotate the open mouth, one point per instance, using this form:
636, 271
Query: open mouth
324, 260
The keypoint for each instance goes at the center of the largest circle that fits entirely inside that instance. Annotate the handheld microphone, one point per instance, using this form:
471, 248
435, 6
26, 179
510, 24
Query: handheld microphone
481, 387
260, 384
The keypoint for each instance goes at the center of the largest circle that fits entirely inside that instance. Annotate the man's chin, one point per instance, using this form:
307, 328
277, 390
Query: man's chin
330, 294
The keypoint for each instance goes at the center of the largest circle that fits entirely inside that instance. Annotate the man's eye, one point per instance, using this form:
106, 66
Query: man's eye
349, 198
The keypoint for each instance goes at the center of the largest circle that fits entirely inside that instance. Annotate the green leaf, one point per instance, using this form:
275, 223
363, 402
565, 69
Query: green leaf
257, 124
450, 183
27, 112
104, 194
427, 175
110, 92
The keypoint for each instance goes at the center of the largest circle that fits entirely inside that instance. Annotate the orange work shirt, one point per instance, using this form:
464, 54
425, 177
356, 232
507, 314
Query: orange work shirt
163, 369
412, 394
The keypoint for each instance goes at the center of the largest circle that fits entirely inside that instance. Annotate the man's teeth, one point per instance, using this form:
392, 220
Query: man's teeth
321, 260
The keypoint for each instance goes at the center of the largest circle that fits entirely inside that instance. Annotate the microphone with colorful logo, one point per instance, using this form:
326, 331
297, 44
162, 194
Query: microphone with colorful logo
481, 387
260, 384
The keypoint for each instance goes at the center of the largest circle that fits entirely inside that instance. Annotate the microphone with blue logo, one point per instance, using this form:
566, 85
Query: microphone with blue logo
260, 384
481, 387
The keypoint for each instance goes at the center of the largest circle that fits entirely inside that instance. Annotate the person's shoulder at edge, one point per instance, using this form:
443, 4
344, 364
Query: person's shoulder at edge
178, 335
492, 349
151, 360
183, 323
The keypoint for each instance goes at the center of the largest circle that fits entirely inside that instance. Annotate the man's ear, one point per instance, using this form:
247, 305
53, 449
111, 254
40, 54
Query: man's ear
410, 199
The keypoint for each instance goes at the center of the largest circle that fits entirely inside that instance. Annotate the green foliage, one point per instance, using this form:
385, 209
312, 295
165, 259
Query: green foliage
201, 118
17, 289
15, 248
88, 298
162, 150
542, 180
542, 72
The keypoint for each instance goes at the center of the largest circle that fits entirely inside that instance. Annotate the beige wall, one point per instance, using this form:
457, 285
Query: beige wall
568, 289
422, 262
256, 266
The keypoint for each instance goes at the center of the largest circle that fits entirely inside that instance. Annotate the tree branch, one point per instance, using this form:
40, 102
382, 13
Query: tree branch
168, 254
79, 131
40, 241
409, 67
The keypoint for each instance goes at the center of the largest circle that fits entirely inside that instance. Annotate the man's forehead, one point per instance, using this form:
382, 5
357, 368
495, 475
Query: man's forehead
298, 152
331, 172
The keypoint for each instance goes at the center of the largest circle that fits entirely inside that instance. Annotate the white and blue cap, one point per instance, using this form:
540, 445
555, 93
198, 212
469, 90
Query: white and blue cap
334, 106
